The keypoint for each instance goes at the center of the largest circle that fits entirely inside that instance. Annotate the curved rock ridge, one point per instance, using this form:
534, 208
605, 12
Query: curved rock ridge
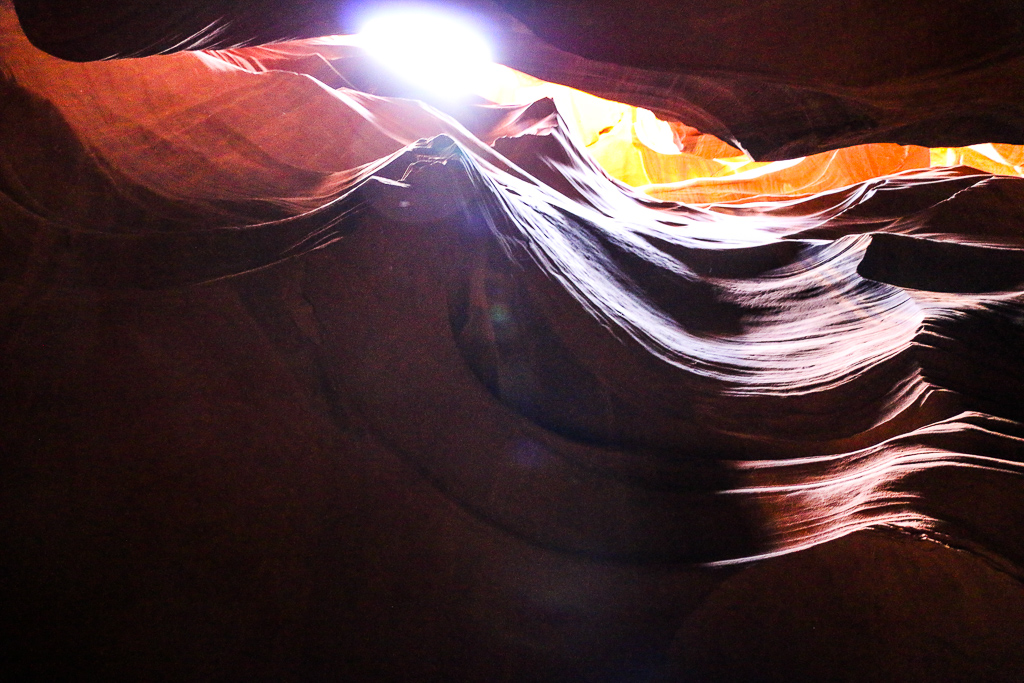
774, 77
707, 386
298, 378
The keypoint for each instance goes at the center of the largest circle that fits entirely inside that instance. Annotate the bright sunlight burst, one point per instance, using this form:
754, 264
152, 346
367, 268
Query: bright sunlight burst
436, 52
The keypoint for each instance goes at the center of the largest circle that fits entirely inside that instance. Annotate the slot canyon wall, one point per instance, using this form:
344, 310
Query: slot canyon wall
304, 377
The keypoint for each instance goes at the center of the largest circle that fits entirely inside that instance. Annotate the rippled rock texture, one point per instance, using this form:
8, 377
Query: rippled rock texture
302, 382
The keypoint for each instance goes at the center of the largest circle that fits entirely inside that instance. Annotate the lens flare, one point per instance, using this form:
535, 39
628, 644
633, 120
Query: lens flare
429, 49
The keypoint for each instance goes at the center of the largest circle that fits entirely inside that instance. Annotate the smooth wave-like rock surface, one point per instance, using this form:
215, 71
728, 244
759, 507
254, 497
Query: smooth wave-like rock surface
301, 382
780, 78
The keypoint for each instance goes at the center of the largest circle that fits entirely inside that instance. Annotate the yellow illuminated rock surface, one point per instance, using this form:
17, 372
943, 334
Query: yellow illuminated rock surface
675, 162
